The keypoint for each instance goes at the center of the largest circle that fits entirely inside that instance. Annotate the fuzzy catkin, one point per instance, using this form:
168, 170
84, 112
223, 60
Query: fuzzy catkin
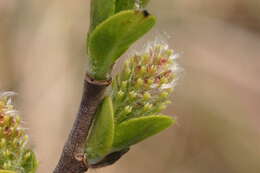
14, 152
146, 82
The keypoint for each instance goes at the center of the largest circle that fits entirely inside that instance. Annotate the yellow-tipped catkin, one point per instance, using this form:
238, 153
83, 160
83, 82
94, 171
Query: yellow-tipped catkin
14, 153
150, 81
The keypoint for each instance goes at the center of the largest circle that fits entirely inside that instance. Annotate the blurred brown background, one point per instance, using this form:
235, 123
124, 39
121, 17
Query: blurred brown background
217, 101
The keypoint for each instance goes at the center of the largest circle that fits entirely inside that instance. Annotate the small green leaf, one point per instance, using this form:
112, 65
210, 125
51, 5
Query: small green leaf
135, 130
124, 5
100, 140
6, 171
100, 11
113, 37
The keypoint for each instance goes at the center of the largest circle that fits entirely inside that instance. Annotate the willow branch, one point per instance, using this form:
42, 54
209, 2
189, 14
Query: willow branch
72, 159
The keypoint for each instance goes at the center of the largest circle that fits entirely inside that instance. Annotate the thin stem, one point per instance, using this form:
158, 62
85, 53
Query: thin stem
72, 159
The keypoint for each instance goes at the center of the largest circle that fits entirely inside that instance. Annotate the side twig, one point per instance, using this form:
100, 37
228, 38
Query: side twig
72, 159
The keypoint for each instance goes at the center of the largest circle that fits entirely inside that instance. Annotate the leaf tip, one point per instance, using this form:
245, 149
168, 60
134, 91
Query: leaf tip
169, 120
146, 13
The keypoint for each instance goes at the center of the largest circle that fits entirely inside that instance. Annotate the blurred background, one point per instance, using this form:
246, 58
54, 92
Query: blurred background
217, 100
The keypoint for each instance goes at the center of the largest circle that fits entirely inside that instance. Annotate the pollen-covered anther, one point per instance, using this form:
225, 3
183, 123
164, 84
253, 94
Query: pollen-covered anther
163, 61
15, 142
139, 82
147, 106
124, 85
128, 109
161, 107
145, 59
132, 94
169, 90
2, 117
126, 73
19, 133
168, 73
164, 94
17, 119
150, 81
27, 155
167, 102
26, 138
143, 70
137, 69
9, 107
2, 142
164, 80
151, 69
7, 119
147, 96
168, 52
157, 80
7, 131
120, 94
7, 165
6, 153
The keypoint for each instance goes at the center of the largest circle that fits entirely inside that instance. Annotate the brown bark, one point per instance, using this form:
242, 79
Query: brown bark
72, 159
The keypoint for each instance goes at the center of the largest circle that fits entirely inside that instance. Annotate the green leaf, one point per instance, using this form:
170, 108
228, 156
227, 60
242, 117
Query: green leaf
6, 171
135, 130
113, 37
124, 5
100, 11
100, 140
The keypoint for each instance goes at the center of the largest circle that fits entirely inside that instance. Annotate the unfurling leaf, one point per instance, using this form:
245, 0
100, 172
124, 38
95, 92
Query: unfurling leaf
135, 130
100, 140
113, 37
